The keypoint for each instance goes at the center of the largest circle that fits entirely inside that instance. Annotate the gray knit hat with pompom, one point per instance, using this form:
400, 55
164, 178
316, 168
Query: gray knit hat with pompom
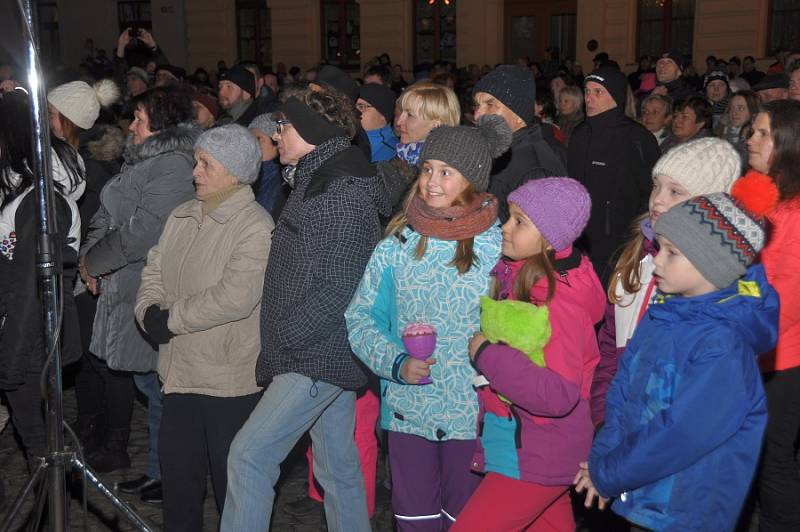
468, 149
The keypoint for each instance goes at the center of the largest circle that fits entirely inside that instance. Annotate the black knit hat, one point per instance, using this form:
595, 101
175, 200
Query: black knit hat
381, 98
241, 77
332, 77
310, 125
175, 71
613, 80
469, 150
675, 56
714, 76
514, 86
772, 81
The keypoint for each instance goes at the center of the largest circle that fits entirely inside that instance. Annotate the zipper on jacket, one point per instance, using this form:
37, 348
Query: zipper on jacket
608, 217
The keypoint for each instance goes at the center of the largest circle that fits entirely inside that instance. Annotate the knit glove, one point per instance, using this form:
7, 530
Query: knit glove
155, 325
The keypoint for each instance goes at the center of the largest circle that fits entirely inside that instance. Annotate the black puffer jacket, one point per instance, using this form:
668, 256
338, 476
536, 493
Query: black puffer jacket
534, 153
320, 248
613, 157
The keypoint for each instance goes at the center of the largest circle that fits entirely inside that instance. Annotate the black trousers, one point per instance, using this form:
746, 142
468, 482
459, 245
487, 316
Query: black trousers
196, 432
779, 479
98, 389
27, 413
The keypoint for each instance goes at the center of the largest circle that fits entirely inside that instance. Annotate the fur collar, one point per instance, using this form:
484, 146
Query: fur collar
107, 144
177, 138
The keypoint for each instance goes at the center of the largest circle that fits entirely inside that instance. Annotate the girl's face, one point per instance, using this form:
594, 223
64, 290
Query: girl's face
440, 184
411, 126
760, 144
738, 112
665, 194
521, 238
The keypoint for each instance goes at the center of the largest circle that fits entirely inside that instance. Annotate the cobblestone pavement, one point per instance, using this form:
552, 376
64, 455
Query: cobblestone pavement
102, 516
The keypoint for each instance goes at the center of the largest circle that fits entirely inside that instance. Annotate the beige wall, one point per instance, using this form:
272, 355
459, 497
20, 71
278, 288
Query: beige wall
479, 32
210, 33
387, 26
296, 32
169, 30
612, 23
80, 20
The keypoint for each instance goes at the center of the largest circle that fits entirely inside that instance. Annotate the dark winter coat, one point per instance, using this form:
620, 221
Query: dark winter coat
21, 334
320, 248
102, 153
680, 89
156, 178
534, 153
613, 157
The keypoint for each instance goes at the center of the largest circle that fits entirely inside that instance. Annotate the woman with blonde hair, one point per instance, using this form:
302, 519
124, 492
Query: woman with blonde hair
421, 108
570, 110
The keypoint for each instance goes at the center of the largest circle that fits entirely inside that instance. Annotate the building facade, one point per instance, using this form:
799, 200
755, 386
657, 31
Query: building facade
198, 33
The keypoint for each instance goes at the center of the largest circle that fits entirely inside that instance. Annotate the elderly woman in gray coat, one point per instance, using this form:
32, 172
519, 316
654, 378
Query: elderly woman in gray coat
156, 177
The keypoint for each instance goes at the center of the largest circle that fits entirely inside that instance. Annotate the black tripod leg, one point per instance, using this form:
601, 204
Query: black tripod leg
122, 506
37, 475
41, 497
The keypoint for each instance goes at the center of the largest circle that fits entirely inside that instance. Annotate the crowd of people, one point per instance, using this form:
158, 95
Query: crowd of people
520, 283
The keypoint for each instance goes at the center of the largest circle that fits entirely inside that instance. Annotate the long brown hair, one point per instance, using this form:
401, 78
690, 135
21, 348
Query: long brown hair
464, 257
784, 164
70, 130
538, 266
627, 269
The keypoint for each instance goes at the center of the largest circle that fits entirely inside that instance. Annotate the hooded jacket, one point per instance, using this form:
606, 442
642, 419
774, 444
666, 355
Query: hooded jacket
320, 247
612, 156
686, 413
135, 204
547, 430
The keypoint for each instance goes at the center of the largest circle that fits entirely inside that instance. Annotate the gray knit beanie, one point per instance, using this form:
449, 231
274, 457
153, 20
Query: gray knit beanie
514, 86
717, 235
701, 166
265, 124
468, 149
236, 149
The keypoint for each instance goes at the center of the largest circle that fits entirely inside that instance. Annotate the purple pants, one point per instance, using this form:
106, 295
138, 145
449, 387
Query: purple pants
431, 481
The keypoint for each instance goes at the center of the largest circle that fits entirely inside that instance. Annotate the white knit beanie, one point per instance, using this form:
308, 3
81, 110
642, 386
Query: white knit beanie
702, 166
81, 103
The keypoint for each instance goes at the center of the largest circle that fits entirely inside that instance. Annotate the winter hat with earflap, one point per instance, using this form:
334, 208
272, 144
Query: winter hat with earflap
701, 166
716, 234
559, 207
469, 150
236, 149
81, 103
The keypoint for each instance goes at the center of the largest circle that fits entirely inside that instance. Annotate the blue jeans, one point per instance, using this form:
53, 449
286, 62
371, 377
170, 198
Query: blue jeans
148, 384
291, 405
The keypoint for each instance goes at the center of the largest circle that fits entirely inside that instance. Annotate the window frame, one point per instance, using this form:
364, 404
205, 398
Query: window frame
261, 7
437, 30
344, 41
666, 27
770, 51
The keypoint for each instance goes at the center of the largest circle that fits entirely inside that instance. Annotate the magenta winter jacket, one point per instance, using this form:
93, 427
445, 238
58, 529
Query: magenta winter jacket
547, 430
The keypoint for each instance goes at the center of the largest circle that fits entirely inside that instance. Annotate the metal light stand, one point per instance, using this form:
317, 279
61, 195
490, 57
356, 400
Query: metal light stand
49, 272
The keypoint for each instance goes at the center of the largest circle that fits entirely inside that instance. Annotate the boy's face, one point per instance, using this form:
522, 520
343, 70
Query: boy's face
674, 274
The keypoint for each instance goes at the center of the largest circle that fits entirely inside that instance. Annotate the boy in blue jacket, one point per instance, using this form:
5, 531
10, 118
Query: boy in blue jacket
686, 412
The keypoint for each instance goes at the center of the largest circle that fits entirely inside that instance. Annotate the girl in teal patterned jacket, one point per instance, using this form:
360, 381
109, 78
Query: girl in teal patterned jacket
432, 267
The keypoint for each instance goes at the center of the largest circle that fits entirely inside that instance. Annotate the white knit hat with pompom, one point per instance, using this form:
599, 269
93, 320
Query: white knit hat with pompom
81, 102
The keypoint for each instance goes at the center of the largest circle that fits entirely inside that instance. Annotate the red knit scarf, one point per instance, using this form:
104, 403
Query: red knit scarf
458, 222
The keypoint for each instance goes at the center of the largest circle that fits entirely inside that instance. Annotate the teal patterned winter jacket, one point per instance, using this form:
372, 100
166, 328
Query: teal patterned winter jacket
399, 289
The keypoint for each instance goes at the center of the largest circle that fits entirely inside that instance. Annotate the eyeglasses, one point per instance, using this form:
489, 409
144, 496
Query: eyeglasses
280, 125
363, 107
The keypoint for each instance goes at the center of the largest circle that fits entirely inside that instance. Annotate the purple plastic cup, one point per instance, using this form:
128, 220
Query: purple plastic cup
421, 347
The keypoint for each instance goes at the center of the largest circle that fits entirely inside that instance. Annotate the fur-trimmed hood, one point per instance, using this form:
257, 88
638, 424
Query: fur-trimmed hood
177, 138
107, 143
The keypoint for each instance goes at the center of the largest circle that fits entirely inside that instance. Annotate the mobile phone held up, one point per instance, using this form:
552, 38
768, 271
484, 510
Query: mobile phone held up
133, 32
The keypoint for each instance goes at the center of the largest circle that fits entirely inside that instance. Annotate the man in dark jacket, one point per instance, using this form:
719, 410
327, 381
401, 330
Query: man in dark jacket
510, 91
320, 248
237, 87
612, 156
669, 73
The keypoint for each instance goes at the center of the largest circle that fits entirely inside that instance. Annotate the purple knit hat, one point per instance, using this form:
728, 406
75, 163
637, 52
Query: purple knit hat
559, 207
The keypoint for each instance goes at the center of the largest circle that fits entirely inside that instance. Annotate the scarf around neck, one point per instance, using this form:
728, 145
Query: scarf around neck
409, 151
458, 222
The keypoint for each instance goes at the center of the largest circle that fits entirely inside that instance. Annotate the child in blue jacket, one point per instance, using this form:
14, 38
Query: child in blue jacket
686, 412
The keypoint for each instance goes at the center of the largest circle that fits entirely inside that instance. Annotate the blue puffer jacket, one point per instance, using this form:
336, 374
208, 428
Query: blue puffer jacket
686, 412
399, 289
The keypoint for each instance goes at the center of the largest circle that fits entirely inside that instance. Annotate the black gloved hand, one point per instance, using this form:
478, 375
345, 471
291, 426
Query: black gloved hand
155, 325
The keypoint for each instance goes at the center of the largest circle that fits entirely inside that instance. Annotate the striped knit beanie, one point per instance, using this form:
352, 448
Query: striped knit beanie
716, 234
